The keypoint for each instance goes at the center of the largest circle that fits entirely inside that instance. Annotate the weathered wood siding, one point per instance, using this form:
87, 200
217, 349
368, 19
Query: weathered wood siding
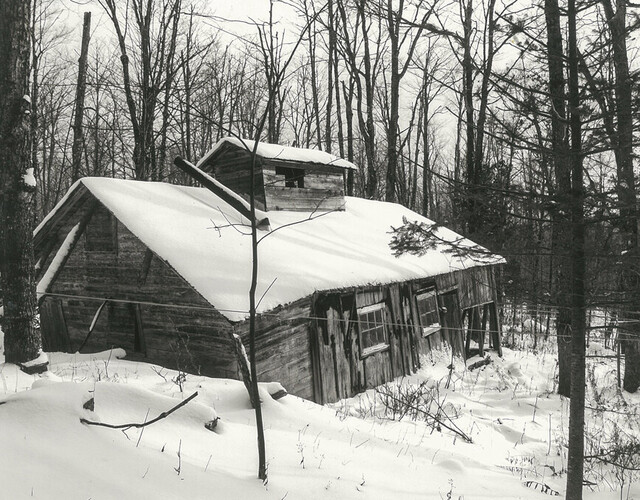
476, 286
53, 325
338, 367
403, 342
311, 346
282, 347
78, 210
192, 336
323, 184
338, 371
451, 320
232, 167
323, 187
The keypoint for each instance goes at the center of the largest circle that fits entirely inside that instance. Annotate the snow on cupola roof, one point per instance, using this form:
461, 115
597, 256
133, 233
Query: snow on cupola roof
278, 152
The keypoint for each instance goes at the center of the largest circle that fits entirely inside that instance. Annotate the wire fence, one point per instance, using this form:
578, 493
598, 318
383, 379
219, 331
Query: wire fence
523, 326
521, 319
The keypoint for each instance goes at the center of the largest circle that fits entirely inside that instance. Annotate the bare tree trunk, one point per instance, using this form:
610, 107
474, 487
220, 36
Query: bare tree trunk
575, 459
477, 176
348, 105
278, 76
458, 188
138, 153
393, 26
154, 24
96, 136
336, 87
394, 22
365, 121
331, 88
22, 340
367, 126
146, 168
314, 80
262, 461
186, 121
271, 53
78, 133
625, 188
467, 91
561, 164
427, 174
35, 95
170, 73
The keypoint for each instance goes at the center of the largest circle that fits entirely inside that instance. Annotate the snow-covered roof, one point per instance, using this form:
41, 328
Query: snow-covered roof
278, 152
206, 241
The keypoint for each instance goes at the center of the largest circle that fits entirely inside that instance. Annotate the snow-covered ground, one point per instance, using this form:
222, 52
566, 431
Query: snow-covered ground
357, 448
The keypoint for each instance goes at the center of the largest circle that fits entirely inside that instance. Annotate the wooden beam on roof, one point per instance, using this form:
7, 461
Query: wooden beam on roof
227, 195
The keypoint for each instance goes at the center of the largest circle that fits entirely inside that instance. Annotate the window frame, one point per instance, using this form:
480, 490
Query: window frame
291, 176
380, 346
421, 296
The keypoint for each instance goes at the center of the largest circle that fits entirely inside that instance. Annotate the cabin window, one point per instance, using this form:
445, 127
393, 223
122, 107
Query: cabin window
427, 304
293, 177
373, 330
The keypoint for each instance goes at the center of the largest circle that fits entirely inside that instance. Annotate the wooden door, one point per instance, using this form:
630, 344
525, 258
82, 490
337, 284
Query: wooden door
451, 320
55, 336
330, 355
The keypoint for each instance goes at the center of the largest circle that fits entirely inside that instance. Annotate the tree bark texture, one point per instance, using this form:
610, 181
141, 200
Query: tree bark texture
393, 26
394, 20
561, 159
575, 460
331, 88
467, 91
625, 189
367, 126
78, 135
262, 461
348, 97
22, 340
476, 176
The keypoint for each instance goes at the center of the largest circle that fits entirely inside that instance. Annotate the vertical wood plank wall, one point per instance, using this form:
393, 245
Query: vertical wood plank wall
323, 184
232, 167
338, 368
323, 188
310, 346
194, 340
283, 347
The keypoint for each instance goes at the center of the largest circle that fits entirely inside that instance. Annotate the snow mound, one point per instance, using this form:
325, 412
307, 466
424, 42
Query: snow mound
350, 450
120, 404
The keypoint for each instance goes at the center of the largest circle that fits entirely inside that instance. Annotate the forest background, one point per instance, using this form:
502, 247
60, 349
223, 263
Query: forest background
512, 122
448, 107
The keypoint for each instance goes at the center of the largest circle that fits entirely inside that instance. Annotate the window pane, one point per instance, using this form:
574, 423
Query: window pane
427, 304
371, 325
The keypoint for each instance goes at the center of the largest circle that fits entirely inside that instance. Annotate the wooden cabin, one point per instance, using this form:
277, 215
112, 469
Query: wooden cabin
286, 178
164, 271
